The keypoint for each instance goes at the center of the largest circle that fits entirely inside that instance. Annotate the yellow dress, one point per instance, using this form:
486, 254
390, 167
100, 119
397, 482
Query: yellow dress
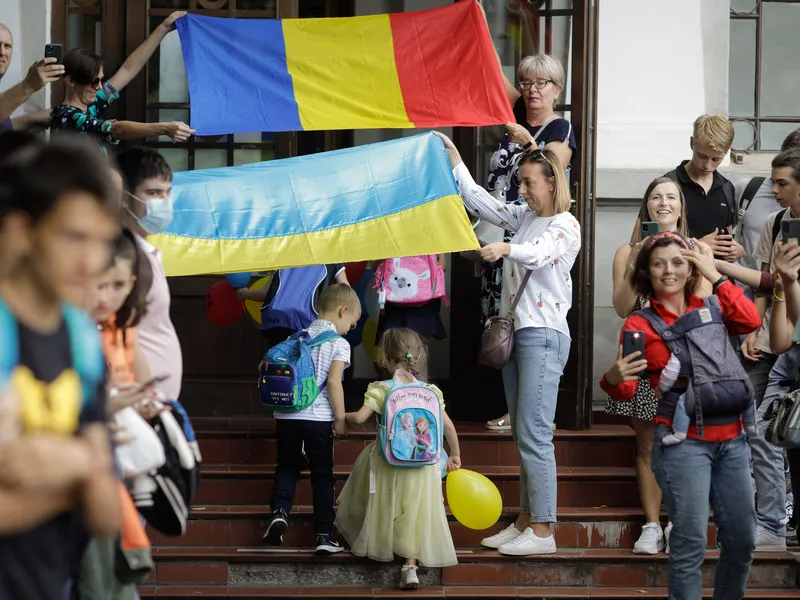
405, 516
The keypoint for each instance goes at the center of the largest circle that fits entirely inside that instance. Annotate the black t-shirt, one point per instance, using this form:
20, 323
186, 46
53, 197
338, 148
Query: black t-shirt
36, 564
705, 212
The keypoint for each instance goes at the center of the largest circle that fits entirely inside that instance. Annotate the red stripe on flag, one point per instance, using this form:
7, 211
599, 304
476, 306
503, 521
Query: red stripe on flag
447, 67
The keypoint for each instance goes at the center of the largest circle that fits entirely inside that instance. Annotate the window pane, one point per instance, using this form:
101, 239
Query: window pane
85, 31
165, 115
178, 159
773, 134
742, 68
210, 159
561, 4
561, 42
167, 80
245, 157
743, 6
780, 70
744, 135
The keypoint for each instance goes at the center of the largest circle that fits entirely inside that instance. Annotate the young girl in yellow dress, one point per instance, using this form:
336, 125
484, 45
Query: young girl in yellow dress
386, 510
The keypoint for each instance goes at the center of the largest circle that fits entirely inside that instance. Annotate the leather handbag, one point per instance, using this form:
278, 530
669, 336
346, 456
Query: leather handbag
497, 341
783, 429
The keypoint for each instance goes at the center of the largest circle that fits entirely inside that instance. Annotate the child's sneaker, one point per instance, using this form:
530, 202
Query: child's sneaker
327, 545
408, 577
278, 525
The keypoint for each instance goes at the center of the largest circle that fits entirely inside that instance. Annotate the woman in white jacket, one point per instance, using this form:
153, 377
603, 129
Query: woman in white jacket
546, 242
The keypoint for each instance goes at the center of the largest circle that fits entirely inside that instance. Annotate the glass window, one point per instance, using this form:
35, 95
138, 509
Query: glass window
764, 75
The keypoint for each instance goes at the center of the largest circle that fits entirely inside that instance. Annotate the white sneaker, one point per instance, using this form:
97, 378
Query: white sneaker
767, 541
667, 533
528, 543
498, 539
651, 541
408, 577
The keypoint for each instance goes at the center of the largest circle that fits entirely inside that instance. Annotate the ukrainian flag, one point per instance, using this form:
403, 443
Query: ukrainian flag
430, 68
396, 198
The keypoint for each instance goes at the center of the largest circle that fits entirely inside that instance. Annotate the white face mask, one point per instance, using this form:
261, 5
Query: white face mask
158, 214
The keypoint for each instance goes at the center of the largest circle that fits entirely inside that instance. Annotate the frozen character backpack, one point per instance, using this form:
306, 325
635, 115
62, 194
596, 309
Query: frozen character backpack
288, 380
417, 402
293, 305
718, 387
411, 280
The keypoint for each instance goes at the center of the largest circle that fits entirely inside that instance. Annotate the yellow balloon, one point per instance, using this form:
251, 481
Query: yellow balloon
368, 335
253, 307
475, 501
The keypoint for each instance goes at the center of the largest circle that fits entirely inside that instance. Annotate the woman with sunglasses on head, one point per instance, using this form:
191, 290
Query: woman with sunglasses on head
538, 260
537, 126
89, 94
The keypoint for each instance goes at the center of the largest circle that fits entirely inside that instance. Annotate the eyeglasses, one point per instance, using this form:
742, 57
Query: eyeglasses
539, 84
98, 82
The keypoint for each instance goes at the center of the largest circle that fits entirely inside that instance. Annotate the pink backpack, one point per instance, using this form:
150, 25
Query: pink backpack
410, 280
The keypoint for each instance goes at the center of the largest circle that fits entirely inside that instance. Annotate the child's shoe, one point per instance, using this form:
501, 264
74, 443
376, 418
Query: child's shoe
278, 525
408, 577
327, 545
673, 438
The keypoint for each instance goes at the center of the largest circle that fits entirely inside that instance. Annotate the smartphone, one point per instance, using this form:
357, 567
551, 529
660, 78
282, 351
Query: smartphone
54, 51
155, 380
633, 341
790, 231
649, 228
724, 231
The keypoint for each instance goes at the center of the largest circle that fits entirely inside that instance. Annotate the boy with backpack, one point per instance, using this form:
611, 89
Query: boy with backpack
309, 410
56, 474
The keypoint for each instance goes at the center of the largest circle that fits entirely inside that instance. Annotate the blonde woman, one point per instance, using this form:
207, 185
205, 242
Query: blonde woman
545, 243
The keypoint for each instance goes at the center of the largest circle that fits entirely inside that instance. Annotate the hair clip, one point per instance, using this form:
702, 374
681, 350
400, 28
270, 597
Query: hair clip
409, 356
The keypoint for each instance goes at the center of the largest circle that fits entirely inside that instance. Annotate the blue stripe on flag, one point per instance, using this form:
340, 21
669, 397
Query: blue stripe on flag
237, 73
311, 193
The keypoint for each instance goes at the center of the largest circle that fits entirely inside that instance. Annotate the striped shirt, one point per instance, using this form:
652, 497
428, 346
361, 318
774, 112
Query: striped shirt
323, 357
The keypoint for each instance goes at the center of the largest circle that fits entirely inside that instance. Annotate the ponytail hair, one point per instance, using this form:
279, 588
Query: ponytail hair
404, 349
135, 306
552, 169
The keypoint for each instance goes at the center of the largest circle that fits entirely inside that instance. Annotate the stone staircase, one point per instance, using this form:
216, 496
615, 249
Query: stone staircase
221, 555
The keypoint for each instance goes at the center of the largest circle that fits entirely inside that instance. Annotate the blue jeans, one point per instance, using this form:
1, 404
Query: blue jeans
692, 474
531, 380
768, 467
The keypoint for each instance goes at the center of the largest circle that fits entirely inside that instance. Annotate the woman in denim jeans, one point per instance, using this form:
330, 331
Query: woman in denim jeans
546, 242
699, 471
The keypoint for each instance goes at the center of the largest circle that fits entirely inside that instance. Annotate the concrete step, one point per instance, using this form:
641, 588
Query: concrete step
252, 484
243, 525
591, 568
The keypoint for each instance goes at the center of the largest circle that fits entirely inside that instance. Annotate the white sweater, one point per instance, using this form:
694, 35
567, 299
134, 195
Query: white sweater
547, 246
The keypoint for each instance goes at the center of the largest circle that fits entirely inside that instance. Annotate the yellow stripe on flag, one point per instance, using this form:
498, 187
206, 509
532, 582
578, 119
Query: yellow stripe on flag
438, 226
344, 73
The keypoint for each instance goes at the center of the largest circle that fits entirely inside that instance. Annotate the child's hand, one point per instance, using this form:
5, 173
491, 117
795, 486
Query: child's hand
658, 392
453, 463
339, 427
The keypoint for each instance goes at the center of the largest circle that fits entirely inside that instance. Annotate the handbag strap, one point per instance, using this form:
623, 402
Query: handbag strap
522, 285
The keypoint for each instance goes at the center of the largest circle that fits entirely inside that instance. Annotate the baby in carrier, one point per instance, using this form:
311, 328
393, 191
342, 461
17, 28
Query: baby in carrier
718, 386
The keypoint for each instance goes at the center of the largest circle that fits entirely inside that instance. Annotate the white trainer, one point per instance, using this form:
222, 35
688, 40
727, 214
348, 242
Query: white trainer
498, 539
408, 577
528, 543
651, 541
667, 533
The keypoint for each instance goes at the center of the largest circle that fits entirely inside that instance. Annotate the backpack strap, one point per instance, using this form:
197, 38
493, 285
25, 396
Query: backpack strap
776, 225
322, 338
86, 349
748, 195
9, 348
729, 193
658, 325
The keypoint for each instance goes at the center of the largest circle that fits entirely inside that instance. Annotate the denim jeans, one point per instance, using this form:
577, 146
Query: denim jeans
317, 439
531, 380
692, 474
768, 467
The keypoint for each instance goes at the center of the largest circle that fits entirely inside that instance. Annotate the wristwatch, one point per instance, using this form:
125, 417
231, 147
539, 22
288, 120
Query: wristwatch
719, 282
527, 146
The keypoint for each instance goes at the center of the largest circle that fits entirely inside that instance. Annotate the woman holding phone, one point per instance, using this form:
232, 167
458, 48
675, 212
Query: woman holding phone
663, 208
666, 272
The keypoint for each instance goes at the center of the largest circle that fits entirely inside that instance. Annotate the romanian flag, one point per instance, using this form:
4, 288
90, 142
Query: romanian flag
396, 198
431, 68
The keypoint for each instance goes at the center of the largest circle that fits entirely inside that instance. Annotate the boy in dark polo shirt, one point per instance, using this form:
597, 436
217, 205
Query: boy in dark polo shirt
56, 476
710, 197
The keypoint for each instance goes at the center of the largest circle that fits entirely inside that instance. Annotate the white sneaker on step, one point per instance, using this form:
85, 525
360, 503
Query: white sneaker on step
498, 539
651, 541
528, 544
767, 541
408, 577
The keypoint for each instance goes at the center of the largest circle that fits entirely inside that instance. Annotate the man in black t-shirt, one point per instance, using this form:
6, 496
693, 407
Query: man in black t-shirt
710, 197
56, 475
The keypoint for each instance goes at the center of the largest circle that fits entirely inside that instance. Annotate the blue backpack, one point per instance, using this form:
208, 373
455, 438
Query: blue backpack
294, 303
85, 345
288, 381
